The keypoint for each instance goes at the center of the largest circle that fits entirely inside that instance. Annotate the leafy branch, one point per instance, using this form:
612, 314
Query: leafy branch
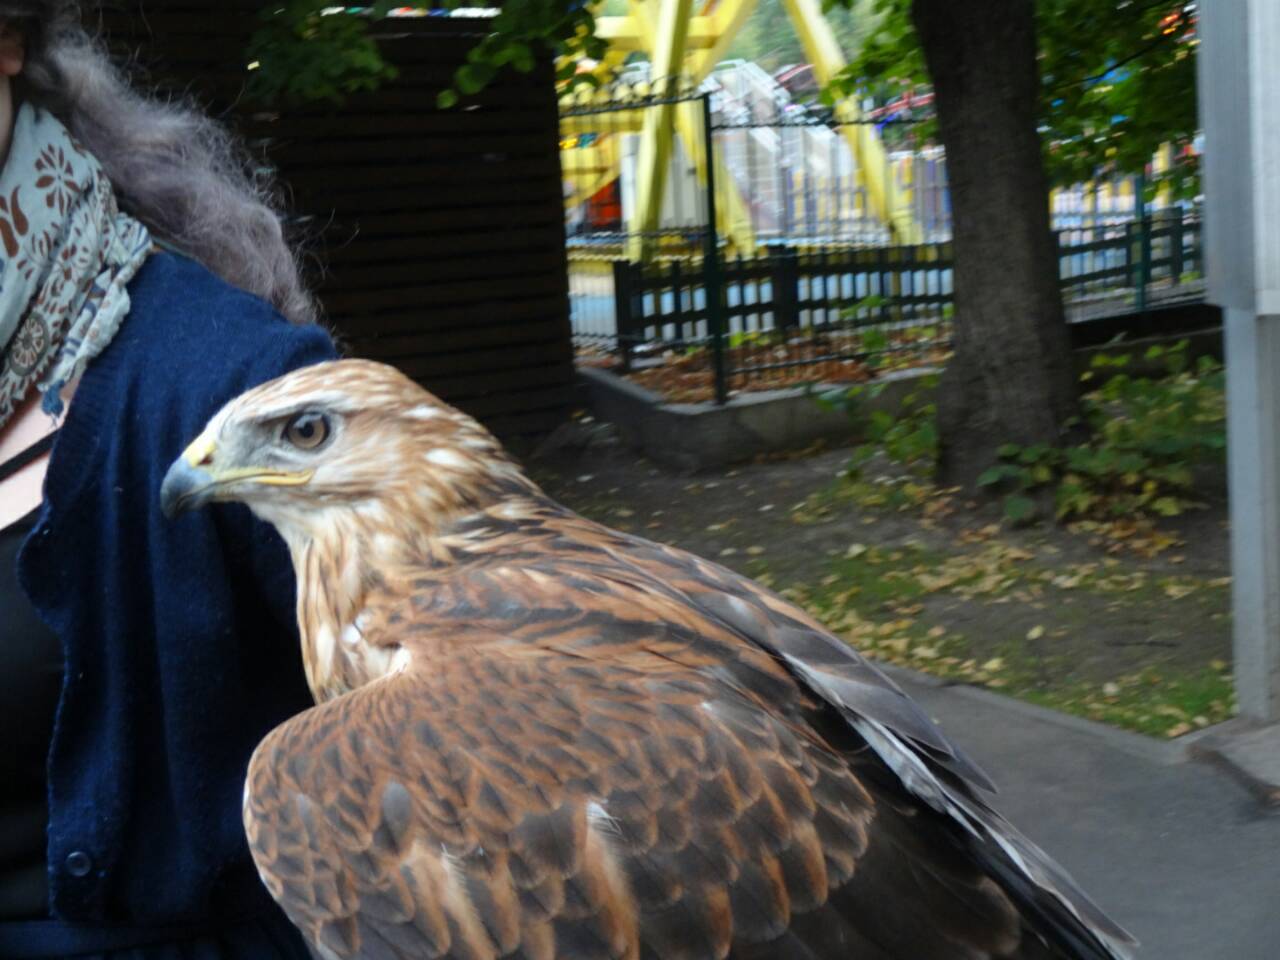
307, 50
1117, 81
1159, 41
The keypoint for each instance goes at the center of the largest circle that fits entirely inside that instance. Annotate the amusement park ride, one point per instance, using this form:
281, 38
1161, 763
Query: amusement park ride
684, 40
635, 151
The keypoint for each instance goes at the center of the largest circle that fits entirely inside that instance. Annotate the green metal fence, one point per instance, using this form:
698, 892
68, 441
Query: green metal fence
852, 313
807, 309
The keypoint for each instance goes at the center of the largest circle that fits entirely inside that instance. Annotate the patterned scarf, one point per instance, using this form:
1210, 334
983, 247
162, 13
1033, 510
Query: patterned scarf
66, 254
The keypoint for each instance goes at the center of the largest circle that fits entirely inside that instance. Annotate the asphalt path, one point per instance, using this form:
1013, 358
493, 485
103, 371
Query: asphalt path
1176, 851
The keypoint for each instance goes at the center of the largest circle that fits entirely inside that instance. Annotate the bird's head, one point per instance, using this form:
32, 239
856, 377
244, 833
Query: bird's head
349, 445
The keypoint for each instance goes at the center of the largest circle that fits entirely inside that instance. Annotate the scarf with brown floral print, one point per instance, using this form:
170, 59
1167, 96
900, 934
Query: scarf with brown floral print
66, 255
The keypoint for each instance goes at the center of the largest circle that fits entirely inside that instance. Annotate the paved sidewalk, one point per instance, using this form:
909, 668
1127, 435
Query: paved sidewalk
1178, 851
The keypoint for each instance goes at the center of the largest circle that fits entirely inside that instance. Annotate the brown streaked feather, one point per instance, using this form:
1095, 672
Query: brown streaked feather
694, 861
541, 738
624, 768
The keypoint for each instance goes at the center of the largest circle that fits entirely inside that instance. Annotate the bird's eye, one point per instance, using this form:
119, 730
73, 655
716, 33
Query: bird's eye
307, 430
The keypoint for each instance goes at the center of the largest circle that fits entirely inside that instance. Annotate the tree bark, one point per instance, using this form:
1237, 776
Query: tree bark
1011, 379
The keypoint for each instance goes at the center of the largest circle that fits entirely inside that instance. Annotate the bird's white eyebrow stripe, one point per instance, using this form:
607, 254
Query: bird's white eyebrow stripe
330, 400
445, 457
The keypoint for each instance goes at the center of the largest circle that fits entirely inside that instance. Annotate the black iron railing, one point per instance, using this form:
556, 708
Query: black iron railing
862, 310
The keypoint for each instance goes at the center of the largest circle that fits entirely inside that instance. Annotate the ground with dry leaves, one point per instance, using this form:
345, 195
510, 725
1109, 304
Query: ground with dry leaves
1118, 622
771, 361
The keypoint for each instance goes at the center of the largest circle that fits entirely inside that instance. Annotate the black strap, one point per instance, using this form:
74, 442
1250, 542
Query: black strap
24, 457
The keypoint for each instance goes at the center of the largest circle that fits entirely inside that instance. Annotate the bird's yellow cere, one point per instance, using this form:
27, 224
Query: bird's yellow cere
200, 451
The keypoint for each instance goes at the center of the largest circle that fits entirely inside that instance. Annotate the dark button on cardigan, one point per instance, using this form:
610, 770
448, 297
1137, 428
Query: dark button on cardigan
180, 644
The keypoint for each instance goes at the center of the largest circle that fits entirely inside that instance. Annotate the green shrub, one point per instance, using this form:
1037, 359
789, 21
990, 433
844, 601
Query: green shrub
1146, 437
910, 438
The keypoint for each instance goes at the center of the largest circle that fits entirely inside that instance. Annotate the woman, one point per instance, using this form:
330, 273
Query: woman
143, 279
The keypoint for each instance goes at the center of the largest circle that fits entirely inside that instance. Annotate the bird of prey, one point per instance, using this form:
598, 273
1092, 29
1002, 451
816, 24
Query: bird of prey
537, 737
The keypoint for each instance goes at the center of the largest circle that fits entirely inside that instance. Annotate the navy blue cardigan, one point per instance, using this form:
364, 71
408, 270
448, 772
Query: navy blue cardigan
180, 641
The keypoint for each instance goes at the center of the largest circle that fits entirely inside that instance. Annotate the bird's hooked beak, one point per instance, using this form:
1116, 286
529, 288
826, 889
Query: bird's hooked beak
189, 483
196, 478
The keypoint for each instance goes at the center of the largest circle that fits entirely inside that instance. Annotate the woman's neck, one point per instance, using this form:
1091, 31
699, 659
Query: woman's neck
22, 492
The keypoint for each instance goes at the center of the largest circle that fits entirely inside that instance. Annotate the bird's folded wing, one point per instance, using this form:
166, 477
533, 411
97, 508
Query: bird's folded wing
906, 740
540, 803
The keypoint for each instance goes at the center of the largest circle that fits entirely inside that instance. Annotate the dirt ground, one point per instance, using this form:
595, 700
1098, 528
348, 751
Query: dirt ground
1132, 630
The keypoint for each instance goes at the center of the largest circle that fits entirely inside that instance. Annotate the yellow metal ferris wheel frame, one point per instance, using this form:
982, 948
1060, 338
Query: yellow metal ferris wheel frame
685, 42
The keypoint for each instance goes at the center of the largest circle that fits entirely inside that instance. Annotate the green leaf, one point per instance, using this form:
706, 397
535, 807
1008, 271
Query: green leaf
524, 61
1034, 453
997, 474
446, 99
1019, 509
1098, 61
875, 341
880, 422
1041, 474
473, 77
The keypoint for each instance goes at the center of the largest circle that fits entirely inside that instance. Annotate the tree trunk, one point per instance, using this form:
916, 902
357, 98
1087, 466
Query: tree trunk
1011, 379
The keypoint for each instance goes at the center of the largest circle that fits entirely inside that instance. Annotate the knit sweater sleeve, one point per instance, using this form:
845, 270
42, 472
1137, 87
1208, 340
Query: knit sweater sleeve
246, 537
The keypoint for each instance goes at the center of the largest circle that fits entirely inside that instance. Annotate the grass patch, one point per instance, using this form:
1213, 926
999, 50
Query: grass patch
1154, 702
878, 599
891, 494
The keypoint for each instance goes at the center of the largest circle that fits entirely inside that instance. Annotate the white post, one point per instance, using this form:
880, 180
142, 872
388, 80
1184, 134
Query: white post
1239, 75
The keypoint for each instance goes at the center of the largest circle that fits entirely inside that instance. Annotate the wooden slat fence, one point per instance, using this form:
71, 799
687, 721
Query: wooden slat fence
438, 235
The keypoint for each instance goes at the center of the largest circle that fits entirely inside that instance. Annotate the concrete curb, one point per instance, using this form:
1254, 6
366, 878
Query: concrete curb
699, 436
1248, 753
1164, 752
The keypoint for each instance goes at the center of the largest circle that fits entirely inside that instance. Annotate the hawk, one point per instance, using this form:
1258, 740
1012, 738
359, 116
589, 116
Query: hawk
537, 737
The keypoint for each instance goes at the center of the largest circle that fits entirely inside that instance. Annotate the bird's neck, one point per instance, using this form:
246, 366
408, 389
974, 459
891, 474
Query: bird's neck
351, 562
340, 573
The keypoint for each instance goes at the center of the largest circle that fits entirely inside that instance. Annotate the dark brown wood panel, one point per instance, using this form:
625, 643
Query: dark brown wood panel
370, 197
438, 236
441, 221
444, 342
485, 290
436, 317
506, 404
300, 153
463, 243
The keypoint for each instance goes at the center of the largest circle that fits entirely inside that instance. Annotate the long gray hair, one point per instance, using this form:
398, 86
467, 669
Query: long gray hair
173, 167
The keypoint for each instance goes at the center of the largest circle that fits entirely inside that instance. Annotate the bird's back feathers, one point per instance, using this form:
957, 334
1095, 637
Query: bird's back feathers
602, 747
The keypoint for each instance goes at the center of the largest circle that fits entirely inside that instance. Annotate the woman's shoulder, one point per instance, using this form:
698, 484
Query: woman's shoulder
190, 343
177, 302
208, 336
